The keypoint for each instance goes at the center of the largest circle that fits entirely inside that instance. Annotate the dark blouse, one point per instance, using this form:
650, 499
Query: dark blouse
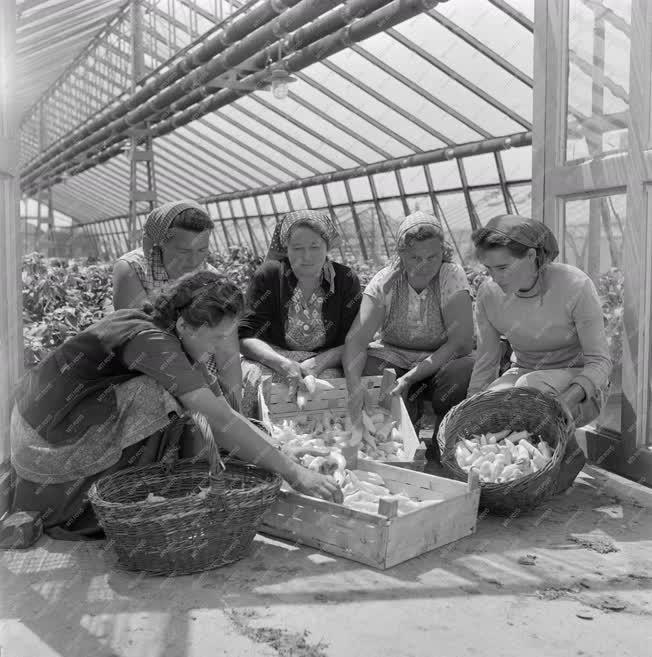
72, 388
271, 289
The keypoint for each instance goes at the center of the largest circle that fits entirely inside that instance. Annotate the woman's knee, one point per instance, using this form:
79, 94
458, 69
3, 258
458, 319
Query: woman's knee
451, 384
541, 380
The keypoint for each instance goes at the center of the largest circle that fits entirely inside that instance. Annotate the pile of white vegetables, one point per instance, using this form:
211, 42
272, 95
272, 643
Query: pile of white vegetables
315, 436
503, 456
362, 491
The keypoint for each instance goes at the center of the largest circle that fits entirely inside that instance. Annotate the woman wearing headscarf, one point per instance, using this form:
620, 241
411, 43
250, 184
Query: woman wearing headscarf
550, 313
420, 307
175, 242
300, 306
119, 394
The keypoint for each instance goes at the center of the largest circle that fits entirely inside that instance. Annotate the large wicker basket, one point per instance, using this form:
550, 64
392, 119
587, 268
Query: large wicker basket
516, 409
208, 518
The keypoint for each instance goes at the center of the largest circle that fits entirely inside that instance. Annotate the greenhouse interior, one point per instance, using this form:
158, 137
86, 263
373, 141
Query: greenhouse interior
368, 111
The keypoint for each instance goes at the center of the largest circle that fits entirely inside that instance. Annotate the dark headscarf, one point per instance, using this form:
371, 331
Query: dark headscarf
527, 232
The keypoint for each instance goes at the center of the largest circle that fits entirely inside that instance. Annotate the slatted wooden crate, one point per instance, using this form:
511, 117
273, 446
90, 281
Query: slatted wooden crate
274, 406
382, 539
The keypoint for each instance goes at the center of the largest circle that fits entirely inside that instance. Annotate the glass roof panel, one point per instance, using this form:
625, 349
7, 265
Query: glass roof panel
376, 134
495, 29
397, 57
465, 101
373, 77
316, 142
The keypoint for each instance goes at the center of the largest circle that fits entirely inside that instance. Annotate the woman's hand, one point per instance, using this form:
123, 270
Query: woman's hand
312, 483
309, 367
291, 370
570, 400
402, 386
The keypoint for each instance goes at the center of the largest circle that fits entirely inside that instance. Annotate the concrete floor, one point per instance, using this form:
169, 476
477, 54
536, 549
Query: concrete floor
469, 598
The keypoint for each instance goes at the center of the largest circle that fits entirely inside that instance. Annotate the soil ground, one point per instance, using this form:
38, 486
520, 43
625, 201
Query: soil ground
533, 585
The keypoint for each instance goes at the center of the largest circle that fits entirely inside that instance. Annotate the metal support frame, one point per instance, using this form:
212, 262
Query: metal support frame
11, 327
379, 213
401, 191
473, 215
439, 212
356, 221
425, 157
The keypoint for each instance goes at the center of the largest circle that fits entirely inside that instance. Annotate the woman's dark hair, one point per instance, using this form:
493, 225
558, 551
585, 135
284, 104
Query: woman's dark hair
485, 239
202, 299
192, 219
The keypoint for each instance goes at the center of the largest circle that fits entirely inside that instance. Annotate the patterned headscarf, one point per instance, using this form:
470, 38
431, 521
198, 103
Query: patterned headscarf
321, 222
527, 232
423, 219
156, 230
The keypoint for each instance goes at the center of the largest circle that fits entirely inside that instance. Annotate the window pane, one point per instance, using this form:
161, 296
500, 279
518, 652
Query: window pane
250, 206
281, 203
317, 196
344, 218
386, 184
265, 204
373, 238
414, 180
598, 82
481, 169
456, 214
517, 163
393, 214
337, 193
445, 175
522, 196
420, 202
593, 241
224, 209
297, 199
360, 189
488, 203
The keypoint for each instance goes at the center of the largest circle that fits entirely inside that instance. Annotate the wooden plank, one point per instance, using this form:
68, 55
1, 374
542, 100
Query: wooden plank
427, 529
613, 484
395, 477
343, 534
11, 329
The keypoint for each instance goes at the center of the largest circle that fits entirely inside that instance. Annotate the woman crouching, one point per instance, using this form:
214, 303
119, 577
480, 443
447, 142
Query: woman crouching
118, 394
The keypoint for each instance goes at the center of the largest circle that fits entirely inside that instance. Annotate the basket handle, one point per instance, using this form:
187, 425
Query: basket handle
215, 464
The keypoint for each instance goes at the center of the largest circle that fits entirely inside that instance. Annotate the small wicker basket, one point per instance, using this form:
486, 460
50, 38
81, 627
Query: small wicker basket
208, 518
516, 409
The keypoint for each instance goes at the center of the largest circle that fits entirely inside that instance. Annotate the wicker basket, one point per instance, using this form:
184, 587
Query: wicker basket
516, 409
187, 532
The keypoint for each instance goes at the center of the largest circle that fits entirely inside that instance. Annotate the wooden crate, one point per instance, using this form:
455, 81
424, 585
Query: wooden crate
377, 539
273, 405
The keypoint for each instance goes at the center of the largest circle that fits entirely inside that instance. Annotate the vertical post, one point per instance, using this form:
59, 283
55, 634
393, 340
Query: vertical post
473, 215
356, 221
11, 328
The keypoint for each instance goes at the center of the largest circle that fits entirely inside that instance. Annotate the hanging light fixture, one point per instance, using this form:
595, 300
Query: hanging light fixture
279, 75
